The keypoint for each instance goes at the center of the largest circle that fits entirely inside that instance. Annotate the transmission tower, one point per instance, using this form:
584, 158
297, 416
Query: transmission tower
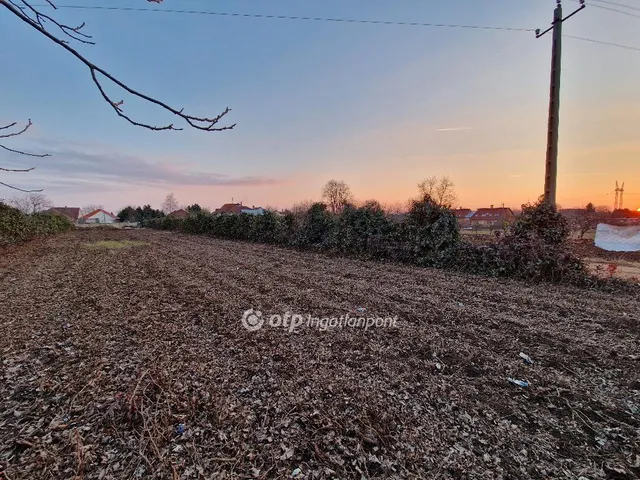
619, 201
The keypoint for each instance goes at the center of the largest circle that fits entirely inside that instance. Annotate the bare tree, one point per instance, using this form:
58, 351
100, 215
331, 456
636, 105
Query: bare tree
337, 194
440, 190
31, 203
300, 209
585, 220
11, 130
170, 203
90, 208
33, 15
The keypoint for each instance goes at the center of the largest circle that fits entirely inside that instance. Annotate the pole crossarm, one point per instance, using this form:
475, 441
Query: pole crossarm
582, 7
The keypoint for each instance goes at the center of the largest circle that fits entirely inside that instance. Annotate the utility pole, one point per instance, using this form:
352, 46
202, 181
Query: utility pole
551, 169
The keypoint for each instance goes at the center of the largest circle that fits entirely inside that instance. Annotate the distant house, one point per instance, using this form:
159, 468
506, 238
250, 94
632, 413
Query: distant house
492, 217
182, 213
72, 213
573, 214
463, 215
238, 208
98, 216
253, 210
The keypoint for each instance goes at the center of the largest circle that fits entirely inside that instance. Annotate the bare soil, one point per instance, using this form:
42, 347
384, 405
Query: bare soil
133, 363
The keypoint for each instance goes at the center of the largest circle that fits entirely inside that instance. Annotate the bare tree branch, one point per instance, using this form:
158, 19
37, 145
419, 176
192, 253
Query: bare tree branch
15, 134
41, 18
16, 170
200, 123
8, 126
39, 155
19, 189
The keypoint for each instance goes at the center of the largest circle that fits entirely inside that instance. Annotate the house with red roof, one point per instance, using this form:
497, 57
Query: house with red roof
463, 215
72, 213
238, 208
181, 213
492, 217
98, 216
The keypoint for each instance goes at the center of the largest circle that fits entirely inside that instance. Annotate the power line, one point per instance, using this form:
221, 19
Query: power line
616, 11
321, 19
603, 43
617, 4
595, 5
290, 17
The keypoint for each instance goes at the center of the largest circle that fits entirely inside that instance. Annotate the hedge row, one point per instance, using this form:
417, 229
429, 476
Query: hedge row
16, 227
534, 248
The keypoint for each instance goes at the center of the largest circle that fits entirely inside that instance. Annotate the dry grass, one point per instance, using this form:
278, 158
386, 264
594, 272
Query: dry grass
141, 369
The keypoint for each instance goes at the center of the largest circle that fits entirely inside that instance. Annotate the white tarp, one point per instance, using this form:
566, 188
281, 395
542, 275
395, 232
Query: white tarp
618, 239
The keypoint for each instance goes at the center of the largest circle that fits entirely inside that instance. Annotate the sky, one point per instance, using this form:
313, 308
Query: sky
378, 106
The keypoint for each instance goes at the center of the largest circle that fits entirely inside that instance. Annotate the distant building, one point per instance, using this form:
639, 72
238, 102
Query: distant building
492, 217
72, 213
238, 208
182, 213
98, 216
573, 213
624, 217
253, 211
463, 215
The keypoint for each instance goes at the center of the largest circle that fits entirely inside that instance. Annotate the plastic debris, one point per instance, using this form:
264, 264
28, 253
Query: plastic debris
178, 449
296, 472
361, 309
520, 383
439, 366
527, 359
180, 428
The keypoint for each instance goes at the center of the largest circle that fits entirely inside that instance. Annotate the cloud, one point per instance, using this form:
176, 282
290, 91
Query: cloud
454, 129
79, 167
515, 175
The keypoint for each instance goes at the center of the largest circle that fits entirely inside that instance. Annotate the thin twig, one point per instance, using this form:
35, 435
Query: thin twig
15, 134
8, 126
19, 189
41, 18
16, 169
200, 123
39, 155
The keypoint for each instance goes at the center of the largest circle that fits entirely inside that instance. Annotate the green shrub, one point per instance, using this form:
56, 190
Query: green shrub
317, 228
16, 227
198, 223
534, 248
358, 229
431, 232
266, 228
543, 222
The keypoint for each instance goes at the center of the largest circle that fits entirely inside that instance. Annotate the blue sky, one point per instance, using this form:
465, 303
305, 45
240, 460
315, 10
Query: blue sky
320, 100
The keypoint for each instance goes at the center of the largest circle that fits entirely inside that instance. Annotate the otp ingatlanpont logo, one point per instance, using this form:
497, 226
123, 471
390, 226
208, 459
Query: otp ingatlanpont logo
252, 320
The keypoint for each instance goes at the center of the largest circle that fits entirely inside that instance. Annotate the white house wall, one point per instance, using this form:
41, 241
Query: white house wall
100, 217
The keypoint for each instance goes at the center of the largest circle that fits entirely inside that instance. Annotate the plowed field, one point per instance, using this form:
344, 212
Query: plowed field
130, 360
